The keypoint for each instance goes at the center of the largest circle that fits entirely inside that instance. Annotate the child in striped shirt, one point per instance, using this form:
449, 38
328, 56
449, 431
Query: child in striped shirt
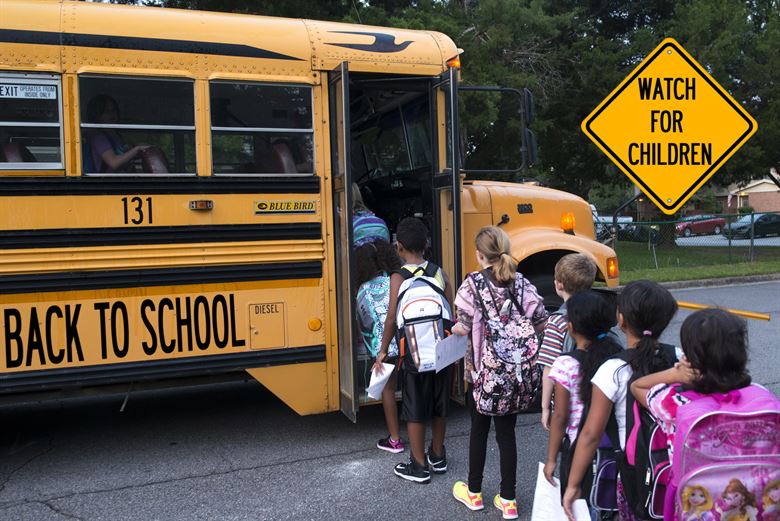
574, 273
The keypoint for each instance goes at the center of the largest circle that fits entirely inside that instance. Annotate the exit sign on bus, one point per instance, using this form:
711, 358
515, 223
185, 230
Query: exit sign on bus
669, 126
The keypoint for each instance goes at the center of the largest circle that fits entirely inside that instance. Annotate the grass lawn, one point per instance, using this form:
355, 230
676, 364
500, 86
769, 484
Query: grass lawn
689, 263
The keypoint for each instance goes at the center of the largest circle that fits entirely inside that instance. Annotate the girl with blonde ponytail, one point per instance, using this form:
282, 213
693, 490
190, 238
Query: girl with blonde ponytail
497, 284
494, 251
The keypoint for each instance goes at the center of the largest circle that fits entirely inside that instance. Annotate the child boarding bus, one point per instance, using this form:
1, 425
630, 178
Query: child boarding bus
175, 202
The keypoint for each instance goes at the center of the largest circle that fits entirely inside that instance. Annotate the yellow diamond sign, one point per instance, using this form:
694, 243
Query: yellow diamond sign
669, 126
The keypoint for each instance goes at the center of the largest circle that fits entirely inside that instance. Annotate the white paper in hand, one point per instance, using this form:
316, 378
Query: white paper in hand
377, 383
547, 502
449, 350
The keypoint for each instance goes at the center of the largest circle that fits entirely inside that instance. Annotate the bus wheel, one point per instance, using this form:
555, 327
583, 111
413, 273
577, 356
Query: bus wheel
545, 285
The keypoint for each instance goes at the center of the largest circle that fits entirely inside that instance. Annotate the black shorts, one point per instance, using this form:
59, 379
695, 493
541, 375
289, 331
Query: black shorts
425, 395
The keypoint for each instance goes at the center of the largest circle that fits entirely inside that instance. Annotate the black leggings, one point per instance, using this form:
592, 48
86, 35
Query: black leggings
507, 448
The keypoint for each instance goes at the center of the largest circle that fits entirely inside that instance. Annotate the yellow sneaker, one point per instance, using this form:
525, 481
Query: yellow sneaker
508, 507
461, 492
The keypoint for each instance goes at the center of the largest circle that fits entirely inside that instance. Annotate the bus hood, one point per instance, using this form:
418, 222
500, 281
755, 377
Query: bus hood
534, 207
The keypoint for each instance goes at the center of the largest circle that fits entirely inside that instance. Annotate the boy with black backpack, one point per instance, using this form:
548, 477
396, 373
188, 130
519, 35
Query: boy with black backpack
419, 311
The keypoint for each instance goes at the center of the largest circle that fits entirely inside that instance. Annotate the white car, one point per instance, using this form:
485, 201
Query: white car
603, 223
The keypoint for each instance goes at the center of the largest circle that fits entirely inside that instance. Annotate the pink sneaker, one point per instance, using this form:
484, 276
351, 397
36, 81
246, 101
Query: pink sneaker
391, 445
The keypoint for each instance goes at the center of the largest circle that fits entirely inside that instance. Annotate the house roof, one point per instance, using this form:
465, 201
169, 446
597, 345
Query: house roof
755, 185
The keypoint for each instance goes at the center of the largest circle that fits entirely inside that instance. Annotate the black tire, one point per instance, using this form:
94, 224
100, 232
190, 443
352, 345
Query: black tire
687, 232
716, 231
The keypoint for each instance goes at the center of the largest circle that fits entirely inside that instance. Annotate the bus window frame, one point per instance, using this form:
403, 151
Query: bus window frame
34, 78
193, 128
249, 130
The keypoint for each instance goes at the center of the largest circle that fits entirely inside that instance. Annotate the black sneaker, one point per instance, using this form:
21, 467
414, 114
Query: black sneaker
412, 472
437, 464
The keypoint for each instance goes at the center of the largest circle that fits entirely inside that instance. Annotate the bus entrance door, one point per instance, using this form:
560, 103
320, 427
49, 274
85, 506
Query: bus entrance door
447, 187
446, 179
338, 96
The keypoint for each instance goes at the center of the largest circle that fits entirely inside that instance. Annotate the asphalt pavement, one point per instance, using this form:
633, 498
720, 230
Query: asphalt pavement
234, 452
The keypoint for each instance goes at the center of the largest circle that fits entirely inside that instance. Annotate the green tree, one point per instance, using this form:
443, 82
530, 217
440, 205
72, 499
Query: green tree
571, 55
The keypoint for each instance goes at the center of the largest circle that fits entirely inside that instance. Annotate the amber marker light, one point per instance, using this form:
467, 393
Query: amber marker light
612, 268
315, 324
202, 205
567, 222
454, 62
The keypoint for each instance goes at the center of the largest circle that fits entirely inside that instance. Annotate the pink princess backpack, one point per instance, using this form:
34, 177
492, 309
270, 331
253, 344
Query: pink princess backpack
726, 464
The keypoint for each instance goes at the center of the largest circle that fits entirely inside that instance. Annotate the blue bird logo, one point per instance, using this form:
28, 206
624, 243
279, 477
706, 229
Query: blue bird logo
383, 42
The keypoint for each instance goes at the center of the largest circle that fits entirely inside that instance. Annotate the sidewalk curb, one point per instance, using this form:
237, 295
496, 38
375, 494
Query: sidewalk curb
724, 281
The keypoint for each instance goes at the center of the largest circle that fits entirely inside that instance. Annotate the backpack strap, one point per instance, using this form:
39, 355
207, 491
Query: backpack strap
579, 356
522, 296
474, 281
431, 270
614, 434
406, 273
667, 354
509, 290
612, 431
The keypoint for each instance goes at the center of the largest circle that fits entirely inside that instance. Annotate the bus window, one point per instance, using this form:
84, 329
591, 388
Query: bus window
30, 122
137, 126
261, 129
384, 144
418, 130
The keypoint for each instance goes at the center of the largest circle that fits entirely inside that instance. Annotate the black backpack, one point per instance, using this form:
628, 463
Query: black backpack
643, 464
568, 448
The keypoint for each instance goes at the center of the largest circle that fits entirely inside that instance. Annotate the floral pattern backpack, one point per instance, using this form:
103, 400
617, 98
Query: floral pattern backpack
509, 379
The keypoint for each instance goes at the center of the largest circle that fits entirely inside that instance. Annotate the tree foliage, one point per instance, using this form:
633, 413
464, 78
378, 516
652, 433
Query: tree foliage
571, 54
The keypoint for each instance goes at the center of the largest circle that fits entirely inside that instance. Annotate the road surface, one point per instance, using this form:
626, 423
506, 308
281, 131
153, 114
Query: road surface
234, 452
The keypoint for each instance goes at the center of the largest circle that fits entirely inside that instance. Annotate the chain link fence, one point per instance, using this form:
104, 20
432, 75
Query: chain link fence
695, 241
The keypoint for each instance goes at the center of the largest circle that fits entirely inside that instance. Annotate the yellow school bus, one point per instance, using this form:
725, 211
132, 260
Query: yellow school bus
174, 194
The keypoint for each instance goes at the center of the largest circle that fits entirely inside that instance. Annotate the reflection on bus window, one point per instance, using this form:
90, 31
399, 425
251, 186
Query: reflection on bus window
261, 129
418, 128
384, 144
30, 122
395, 142
137, 126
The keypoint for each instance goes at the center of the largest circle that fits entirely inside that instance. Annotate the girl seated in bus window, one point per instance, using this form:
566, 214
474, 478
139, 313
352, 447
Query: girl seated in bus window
107, 152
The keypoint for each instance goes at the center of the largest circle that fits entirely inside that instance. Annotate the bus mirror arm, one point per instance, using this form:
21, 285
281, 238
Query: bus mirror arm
504, 220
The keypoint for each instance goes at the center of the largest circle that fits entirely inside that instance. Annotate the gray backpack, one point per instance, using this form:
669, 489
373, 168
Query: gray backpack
569, 344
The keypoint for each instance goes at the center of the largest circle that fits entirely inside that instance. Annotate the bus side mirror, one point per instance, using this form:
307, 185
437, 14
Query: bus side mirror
529, 145
489, 146
529, 111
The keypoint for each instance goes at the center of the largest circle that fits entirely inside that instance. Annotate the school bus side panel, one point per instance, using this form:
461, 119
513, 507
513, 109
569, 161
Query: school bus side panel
312, 388
116, 280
